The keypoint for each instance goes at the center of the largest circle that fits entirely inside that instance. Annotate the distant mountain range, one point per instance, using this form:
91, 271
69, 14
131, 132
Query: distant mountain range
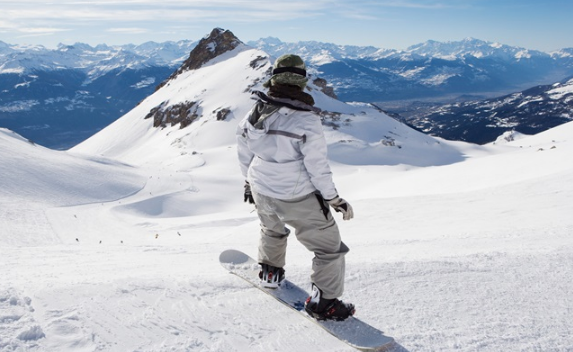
429, 70
59, 97
482, 121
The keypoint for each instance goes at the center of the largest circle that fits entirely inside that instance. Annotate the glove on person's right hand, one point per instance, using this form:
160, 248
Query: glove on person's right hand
342, 206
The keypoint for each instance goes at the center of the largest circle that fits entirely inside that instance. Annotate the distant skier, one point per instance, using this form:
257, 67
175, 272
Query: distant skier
283, 156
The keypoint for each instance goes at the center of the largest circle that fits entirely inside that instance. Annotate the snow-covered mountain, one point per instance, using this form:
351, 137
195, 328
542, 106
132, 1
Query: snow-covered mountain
529, 112
95, 61
427, 70
114, 245
211, 91
60, 97
464, 70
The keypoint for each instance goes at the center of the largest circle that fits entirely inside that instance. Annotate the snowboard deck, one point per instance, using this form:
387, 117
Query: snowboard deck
353, 331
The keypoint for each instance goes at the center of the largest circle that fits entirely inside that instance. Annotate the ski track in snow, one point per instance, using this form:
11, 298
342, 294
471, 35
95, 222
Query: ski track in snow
17, 325
143, 307
26, 218
486, 301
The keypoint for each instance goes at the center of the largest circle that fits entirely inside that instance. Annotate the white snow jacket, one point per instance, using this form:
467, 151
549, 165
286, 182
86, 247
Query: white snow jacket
282, 150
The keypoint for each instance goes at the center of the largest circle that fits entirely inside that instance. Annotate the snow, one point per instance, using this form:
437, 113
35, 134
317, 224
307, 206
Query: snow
95, 61
562, 90
323, 58
509, 136
523, 54
16, 106
15, 70
146, 82
438, 79
114, 245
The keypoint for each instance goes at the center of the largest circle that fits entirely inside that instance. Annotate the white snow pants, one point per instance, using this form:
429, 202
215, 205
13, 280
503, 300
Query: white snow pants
316, 230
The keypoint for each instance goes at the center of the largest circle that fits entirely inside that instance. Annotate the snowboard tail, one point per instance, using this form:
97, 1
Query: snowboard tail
352, 331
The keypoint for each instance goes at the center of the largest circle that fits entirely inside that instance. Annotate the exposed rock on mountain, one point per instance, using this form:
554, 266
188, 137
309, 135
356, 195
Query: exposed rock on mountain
182, 113
222, 113
324, 87
214, 46
218, 42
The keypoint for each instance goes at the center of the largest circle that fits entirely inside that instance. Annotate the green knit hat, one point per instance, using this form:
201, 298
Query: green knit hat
289, 69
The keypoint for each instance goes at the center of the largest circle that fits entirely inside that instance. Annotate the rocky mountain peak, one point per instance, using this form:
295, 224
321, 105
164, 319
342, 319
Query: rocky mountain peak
218, 42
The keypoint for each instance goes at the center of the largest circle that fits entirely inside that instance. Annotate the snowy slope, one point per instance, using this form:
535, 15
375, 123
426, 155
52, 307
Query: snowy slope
454, 247
358, 133
34, 177
133, 138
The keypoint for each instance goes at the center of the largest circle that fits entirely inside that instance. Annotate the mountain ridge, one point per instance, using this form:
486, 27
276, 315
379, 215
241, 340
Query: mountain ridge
170, 52
60, 97
482, 121
191, 107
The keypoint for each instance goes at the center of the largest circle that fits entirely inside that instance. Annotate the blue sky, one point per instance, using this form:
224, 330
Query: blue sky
392, 24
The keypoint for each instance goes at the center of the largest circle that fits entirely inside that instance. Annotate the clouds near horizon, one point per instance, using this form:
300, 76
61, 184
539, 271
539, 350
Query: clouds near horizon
385, 23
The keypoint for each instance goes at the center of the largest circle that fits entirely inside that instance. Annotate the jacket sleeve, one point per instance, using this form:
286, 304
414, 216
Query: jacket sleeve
244, 153
315, 157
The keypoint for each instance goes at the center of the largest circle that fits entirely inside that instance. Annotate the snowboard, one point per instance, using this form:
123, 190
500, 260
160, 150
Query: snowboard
353, 331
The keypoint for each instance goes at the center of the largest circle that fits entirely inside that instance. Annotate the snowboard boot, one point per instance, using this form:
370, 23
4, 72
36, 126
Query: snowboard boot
271, 276
327, 309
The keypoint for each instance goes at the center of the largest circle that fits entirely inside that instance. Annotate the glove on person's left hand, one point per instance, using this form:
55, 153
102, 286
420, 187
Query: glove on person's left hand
248, 194
342, 206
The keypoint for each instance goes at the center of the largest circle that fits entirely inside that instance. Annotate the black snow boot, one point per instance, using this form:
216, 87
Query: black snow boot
271, 276
327, 309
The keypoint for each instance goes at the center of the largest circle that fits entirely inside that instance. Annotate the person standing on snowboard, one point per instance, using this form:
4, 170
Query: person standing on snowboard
283, 157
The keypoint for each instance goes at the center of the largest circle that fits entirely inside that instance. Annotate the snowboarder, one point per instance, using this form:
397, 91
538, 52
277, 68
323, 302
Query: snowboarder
283, 157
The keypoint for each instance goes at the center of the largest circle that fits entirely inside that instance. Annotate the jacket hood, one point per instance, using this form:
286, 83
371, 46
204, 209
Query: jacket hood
260, 118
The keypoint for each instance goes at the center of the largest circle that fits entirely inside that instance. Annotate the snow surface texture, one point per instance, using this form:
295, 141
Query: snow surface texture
114, 245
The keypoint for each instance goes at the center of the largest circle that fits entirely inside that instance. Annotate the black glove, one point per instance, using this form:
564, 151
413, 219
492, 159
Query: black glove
342, 206
248, 194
